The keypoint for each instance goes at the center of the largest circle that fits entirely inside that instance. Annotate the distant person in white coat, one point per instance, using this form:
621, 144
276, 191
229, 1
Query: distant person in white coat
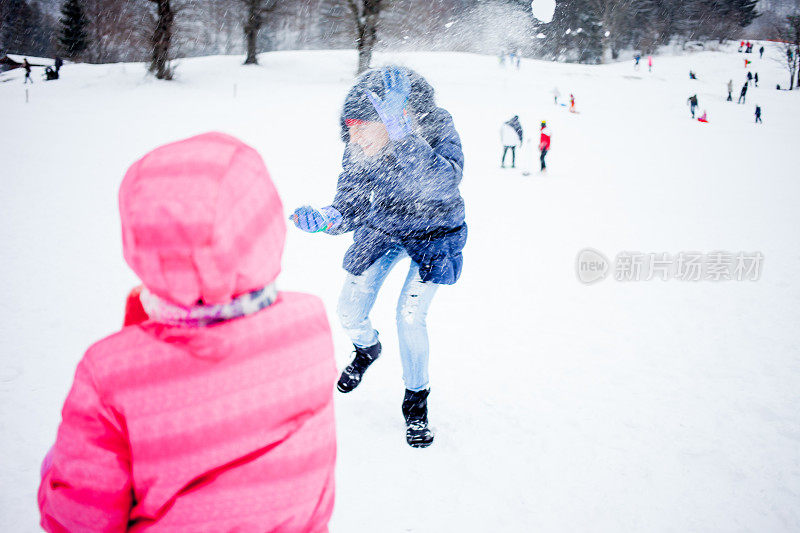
510, 137
556, 94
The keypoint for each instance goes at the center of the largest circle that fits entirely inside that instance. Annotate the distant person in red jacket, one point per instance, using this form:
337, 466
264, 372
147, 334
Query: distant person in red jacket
544, 144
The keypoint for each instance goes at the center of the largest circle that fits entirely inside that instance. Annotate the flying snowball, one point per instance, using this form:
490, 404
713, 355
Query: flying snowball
543, 9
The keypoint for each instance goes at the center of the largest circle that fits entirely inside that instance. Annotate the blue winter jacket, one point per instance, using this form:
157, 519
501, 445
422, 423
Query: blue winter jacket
408, 198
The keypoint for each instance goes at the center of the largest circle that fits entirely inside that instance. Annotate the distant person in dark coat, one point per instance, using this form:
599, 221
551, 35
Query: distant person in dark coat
761, 52
59, 63
755, 79
692, 101
742, 94
27, 67
758, 114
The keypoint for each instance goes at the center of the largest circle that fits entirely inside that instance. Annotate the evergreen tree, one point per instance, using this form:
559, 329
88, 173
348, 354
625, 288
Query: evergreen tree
589, 35
643, 32
671, 18
24, 29
73, 37
559, 32
744, 10
15, 26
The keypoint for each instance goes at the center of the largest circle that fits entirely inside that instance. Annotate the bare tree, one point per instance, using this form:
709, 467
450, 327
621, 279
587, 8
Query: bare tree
421, 24
366, 14
789, 45
711, 19
353, 20
223, 24
161, 40
613, 15
793, 24
115, 30
255, 12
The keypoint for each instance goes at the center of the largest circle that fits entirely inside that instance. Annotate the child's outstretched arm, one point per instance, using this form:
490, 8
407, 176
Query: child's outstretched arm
348, 208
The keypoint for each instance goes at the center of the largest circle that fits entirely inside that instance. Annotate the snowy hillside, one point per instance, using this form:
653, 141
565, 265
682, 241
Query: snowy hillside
557, 406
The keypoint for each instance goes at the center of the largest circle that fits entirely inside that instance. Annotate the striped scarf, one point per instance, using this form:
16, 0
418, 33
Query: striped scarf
171, 314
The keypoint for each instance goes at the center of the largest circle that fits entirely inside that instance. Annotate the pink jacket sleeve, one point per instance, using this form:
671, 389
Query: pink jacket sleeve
88, 484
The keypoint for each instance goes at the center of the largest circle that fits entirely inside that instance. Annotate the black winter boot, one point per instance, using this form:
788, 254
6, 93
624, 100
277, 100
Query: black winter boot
415, 411
352, 374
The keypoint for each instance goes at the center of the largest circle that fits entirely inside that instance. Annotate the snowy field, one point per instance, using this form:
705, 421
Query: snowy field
557, 406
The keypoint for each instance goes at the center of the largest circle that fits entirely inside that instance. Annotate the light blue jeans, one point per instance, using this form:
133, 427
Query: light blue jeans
356, 301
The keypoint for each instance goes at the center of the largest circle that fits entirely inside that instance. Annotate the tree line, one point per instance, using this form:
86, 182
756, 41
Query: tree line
588, 31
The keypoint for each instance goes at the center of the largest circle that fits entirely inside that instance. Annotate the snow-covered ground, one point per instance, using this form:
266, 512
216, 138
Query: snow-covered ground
557, 406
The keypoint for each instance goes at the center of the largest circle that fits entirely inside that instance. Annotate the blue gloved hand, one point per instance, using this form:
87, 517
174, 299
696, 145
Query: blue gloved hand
313, 221
392, 108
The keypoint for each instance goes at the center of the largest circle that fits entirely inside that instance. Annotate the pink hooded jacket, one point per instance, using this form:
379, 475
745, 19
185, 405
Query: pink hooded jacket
222, 428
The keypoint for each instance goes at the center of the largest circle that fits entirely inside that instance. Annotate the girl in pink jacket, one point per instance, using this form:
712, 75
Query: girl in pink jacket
212, 409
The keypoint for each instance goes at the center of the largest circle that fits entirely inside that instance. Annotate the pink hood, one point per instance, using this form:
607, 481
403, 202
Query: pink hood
201, 220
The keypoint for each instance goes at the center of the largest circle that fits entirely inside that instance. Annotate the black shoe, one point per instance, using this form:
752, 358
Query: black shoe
352, 374
415, 411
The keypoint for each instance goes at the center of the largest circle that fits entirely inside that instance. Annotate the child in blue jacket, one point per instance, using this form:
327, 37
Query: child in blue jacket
398, 192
